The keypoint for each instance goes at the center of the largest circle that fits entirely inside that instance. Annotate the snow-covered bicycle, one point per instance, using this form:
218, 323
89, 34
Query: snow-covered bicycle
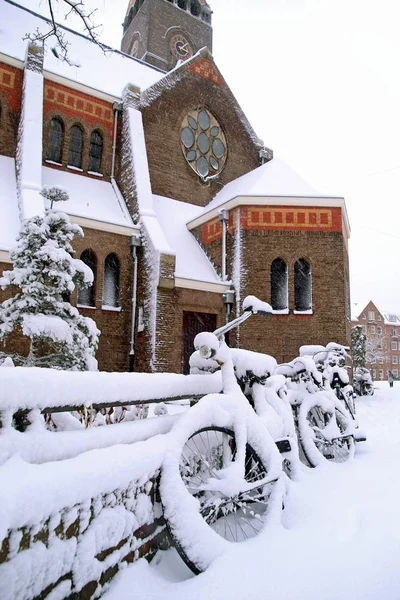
222, 477
325, 428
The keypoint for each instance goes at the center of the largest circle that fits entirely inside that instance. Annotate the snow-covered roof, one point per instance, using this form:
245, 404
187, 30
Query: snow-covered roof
173, 216
107, 72
273, 178
389, 318
9, 222
89, 198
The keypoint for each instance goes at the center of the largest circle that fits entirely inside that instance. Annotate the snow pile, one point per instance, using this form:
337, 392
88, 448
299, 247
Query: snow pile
173, 216
257, 364
88, 198
41, 446
333, 503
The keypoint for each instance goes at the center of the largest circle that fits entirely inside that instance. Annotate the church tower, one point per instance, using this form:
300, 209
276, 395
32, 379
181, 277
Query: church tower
161, 32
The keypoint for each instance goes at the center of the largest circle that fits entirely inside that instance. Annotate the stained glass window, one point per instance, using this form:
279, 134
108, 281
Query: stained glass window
55, 141
203, 143
111, 281
86, 296
95, 152
302, 285
279, 284
75, 147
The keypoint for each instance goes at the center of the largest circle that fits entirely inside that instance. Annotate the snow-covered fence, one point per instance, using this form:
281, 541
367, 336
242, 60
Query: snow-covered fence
25, 392
76, 506
67, 527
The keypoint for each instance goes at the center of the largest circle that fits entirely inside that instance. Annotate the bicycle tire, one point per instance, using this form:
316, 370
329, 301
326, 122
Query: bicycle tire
325, 432
199, 534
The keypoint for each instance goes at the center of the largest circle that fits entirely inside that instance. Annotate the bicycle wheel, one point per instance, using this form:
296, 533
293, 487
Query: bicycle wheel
324, 432
207, 504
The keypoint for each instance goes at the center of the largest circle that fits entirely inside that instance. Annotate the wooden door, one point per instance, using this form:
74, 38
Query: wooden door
194, 323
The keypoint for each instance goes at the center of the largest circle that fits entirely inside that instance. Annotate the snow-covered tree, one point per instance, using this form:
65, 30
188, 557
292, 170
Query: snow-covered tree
45, 273
358, 346
375, 349
54, 194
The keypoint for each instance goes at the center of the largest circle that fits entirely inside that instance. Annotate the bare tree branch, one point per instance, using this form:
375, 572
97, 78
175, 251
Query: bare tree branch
61, 48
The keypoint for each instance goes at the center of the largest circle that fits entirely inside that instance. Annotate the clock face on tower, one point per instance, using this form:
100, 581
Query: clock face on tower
181, 47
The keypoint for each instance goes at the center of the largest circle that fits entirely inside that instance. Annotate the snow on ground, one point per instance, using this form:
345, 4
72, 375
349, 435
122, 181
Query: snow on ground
339, 538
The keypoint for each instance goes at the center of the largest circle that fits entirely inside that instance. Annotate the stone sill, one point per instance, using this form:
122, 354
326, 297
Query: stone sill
111, 308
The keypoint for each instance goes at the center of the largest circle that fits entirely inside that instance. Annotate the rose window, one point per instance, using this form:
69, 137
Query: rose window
203, 143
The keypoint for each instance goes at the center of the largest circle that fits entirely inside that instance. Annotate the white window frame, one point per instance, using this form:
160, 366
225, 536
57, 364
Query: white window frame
394, 331
394, 345
395, 372
379, 330
395, 360
372, 329
381, 361
371, 315
381, 373
379, 318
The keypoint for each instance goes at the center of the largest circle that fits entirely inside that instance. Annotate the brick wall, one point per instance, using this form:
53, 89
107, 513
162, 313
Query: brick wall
10, 105
170, 174
282, 335
73, 107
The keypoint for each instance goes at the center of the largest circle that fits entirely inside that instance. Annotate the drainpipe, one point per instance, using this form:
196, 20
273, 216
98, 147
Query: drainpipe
228, 298
117, 108
135, 245
223, 217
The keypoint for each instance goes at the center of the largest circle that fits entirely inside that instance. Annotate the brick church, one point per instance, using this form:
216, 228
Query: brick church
185, 210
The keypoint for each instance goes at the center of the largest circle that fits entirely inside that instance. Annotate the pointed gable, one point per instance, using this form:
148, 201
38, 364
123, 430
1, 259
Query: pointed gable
167, 106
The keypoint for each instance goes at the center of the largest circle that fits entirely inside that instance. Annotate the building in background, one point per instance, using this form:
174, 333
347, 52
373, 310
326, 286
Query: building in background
179, 199
382, 330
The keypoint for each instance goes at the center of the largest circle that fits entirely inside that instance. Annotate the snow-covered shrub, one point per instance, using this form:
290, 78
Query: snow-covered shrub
45, 273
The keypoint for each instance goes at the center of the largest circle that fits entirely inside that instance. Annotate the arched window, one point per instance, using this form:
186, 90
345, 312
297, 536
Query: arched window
182, 4
302, 285
86, 296
195, 8
111, 281
55, 141
279, 284
95, 152
75, 147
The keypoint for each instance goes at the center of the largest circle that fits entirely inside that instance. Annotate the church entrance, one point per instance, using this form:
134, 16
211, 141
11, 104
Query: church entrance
194, 323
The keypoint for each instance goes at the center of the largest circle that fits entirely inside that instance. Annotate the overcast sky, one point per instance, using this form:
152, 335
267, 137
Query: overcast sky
319, 82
